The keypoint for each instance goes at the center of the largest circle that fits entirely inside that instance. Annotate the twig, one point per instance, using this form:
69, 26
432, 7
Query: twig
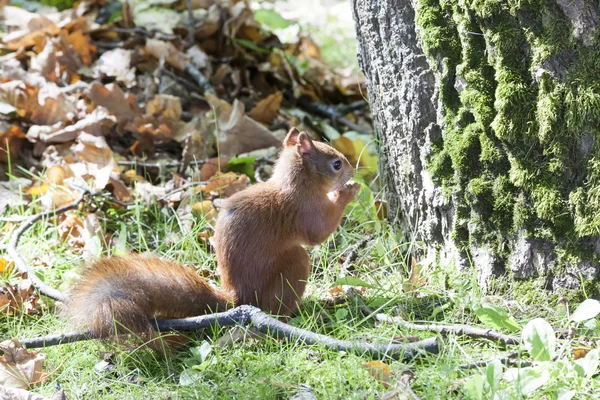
344, 109
353, 254
349, 290
199, 78
188, 83
506, 360
150, 164
459, 330
246, 315
21, 265
181, 189
191, 25
327, 111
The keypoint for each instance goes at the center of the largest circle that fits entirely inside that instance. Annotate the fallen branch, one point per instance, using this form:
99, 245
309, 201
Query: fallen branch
459, 330
507, 360
247, 315
21, 265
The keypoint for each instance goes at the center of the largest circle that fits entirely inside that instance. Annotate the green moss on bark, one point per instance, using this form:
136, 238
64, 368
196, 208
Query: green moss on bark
521, 103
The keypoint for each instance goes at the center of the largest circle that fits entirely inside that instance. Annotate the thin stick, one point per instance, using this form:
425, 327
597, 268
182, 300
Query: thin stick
247, 315
191, 37
21, 265
349, 290
506, 360
459, 330
353, 254
200, 79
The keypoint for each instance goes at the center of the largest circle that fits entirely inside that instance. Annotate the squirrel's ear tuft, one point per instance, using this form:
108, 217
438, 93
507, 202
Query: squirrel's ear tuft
291, 139
305, 144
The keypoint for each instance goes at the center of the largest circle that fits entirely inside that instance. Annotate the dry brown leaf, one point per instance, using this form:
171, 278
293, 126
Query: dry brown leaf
206, 209
43, 106
212, 166
380, 371
197, 139
225, 184
98, 123
81, 44
32, 28
415, 280
165, 107
19, 298
81, 234
168, 52
121, 105
210, 23
20, 368
238, 133
38, 189
11, 143
267, 109
5, 265
58, 173
579, 352
46, 62
144, 146
96, 160
119, 190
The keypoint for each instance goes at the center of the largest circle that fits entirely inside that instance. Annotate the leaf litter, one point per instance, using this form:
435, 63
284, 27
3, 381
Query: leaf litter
156, 104
87, 103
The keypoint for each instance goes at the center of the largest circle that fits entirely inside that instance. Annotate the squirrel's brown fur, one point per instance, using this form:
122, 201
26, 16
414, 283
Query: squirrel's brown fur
258, 242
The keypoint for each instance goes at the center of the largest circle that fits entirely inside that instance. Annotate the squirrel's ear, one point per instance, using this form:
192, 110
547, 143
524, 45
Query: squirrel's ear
305, 144
291, 139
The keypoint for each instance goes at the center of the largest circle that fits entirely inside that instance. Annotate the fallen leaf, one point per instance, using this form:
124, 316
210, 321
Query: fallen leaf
117, 63
168, 52
206, 209
82, 234
212, 166
164, 107
267, 109
20, 368
19, 298
225, 184
32, 28
238, 133
11, 144
96, 160
380, 371
58, 173
5, 265
81, 44
118, 103
579, 352
415, 281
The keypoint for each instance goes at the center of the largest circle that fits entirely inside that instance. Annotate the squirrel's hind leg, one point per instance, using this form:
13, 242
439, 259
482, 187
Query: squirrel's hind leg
284, 290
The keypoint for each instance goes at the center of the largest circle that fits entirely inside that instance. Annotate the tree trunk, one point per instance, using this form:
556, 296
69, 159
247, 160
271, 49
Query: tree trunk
488, 119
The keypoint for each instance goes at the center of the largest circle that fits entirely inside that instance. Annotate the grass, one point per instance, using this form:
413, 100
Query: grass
264, 368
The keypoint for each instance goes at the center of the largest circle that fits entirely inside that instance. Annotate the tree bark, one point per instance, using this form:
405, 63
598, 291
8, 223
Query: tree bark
488, 118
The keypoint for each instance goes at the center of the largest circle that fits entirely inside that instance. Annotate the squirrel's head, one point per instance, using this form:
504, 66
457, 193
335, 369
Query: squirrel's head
321, 163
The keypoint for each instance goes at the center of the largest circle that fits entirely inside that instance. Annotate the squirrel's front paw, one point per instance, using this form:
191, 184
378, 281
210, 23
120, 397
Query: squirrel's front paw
350, 190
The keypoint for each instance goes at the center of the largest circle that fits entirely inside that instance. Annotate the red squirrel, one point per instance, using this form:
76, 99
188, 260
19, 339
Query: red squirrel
258, 242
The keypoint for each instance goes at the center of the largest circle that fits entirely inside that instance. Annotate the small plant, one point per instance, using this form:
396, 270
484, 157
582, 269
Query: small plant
553, 374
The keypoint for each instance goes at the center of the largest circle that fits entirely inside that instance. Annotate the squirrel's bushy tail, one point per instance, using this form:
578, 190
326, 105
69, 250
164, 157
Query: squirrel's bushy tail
120, 295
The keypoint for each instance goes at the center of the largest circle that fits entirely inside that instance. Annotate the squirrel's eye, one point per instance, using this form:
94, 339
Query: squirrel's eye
337, 165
